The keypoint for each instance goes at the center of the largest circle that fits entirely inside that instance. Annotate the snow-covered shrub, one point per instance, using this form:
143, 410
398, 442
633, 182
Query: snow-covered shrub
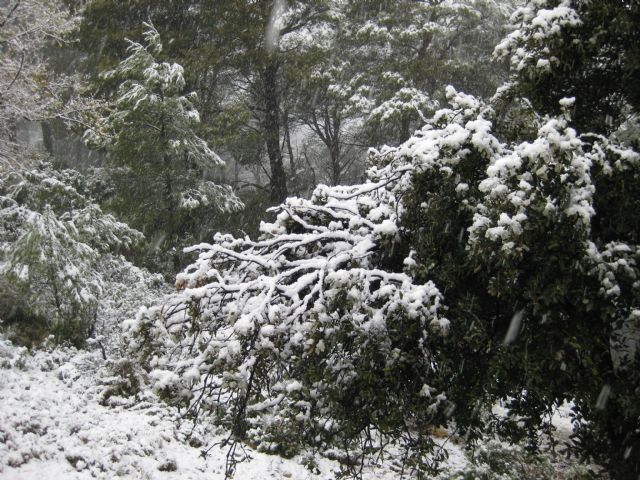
125, 381
52, 240
313, 335
575, 48
124, 288
534, 245
54, 270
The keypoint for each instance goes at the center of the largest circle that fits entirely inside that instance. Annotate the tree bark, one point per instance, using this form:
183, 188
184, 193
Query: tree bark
272, 132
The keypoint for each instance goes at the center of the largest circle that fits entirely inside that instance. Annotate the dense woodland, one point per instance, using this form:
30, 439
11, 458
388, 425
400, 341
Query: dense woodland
334, 226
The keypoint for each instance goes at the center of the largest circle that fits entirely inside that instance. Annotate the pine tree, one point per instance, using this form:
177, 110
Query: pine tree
52, 242
160, 166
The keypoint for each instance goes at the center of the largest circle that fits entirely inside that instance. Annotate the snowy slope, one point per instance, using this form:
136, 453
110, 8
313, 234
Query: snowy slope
53, 426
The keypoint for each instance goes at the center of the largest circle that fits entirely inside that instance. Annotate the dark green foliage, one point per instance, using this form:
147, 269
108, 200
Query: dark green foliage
596, 60
124, 382
588, 312
539, 269
21, 326
161, 169
437, 220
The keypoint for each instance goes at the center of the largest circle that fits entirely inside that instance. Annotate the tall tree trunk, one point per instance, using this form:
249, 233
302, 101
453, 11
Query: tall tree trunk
47, 136
287, 137
272, 132
336, 168
405, 123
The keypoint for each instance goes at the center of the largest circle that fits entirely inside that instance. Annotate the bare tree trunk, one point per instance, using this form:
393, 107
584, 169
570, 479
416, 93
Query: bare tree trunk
405, 123
336, 168
272, 132
287, 137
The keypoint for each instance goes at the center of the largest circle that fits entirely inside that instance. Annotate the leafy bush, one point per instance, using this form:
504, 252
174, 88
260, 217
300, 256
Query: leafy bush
541, 287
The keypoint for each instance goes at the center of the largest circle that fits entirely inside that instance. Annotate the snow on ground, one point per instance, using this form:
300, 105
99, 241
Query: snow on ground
53, 425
